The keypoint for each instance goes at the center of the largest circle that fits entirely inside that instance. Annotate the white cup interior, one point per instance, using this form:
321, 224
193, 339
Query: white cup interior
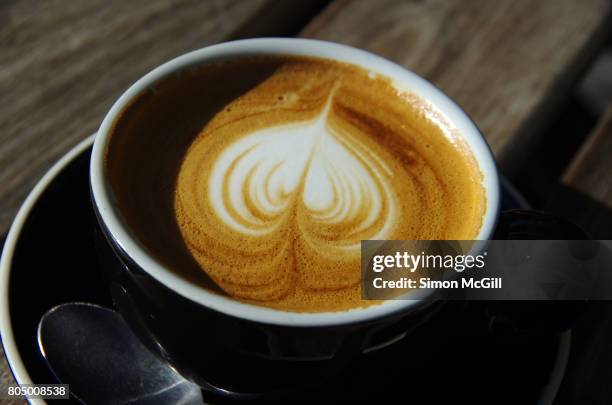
402, 78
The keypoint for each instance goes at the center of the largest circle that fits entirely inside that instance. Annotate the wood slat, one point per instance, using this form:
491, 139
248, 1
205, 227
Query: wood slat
591, 170
584, 194
507, 63
7, 378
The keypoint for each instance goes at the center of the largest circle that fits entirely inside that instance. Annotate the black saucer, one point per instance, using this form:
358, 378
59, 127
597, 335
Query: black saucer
453, 359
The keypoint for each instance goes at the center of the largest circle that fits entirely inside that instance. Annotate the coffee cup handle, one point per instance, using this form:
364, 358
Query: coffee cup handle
512, 318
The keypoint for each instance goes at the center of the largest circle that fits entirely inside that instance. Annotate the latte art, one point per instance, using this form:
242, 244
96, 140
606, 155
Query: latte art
263, 177
274, 195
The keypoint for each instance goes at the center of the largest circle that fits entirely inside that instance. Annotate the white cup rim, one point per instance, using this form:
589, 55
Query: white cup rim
109, 215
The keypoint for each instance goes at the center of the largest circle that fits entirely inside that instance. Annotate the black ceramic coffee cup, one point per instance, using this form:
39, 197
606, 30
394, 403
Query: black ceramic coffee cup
222, 343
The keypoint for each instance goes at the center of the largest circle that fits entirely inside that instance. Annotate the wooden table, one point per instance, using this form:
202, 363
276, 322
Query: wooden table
509, 64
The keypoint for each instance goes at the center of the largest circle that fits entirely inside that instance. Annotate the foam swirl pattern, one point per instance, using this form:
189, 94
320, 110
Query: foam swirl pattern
276, 192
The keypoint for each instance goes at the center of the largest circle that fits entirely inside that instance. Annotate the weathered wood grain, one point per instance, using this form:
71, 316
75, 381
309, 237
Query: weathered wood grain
507, 63
62, 64
7, 378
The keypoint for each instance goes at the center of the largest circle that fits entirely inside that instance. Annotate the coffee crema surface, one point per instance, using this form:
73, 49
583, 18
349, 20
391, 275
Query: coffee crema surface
260, 176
